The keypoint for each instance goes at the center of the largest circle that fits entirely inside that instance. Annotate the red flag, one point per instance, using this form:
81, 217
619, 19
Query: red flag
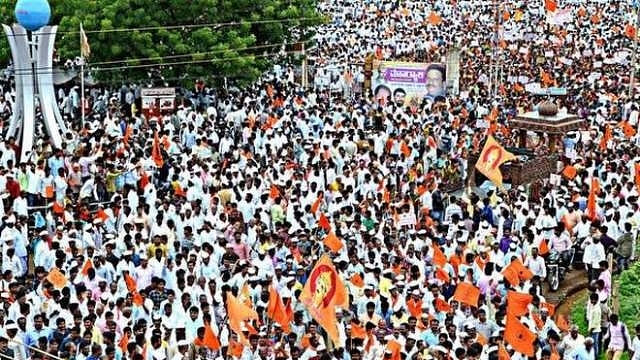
630, 31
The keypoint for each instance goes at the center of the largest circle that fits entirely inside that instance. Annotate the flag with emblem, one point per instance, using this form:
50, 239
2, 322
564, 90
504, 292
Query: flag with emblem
519, 336
492, 156
322, 293
466, 293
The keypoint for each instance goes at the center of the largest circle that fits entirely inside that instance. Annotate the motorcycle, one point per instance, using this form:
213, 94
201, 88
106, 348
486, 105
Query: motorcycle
557, 265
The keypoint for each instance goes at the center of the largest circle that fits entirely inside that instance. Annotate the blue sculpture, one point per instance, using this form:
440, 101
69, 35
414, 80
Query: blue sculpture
33, 14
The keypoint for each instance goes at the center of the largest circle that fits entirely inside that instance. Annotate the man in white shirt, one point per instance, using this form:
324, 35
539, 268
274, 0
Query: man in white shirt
536, 264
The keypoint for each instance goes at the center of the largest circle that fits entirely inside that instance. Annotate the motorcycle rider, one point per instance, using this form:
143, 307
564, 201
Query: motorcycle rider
560, 242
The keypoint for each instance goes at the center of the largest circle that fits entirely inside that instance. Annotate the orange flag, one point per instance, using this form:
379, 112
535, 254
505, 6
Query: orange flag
582, 12
550, 307
636, 167
57, 278
358, 331
502, 353
550, 5
316, 205
237, 312
591, 200
274, 192
100, 214
543, 248
627, 129
441, 305
332, 242
323, 222
276, 309
156, 154
517, 303
492, 156
439, 258
124, 342
467, 294
209, 340
506, 15
405, 149
442, 275
395, 349
132, 287
85, 268
630, 31
569, 172
357, 280
604, 140
519, 336
434, 18
235, 348
516, 272
595, 19
322, 293
415, 307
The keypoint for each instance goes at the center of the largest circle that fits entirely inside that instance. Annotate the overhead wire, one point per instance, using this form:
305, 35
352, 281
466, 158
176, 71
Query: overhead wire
140, 66
176, 27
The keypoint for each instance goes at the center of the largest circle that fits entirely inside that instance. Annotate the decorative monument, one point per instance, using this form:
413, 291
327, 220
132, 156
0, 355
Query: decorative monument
32, 43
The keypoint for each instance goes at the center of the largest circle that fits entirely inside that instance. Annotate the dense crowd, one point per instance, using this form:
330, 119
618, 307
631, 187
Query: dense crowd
277, 222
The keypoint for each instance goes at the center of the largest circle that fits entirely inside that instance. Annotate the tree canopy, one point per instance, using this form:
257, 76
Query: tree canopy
187, 39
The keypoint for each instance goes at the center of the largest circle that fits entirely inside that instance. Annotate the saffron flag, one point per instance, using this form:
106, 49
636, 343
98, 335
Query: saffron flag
569, 172
209, 340
316, 205
543, 248
434, 18
438, 256
57, 278
124, 342
604, 140
332, 242
492, 156
323, 222
322, 293
467, 294
357, 330
550, 5
502, 353
132, 287
636, 176
85, 49
516, 272
238, 312
630, 31
85, 268
517, 303
357, 280
276, 310
274, 192
156, 154
519, 336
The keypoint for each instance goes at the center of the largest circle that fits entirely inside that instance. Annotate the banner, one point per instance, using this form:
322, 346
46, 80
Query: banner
154, 100
406, 82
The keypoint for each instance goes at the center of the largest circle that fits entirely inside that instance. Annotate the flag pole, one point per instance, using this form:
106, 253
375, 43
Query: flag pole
633, 54
82, 56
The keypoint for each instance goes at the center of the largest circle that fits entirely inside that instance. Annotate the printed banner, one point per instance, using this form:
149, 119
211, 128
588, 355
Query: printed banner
406, 82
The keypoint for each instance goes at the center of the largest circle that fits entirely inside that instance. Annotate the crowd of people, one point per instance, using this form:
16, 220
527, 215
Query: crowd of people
281, 222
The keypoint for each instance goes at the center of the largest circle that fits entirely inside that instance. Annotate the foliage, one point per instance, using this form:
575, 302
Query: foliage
235, 51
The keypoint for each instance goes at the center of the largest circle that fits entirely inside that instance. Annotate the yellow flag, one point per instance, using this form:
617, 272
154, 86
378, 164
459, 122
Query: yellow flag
492, 156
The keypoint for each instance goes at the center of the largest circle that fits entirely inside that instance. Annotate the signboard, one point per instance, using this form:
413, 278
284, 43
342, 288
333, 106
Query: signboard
403, 82
154, 100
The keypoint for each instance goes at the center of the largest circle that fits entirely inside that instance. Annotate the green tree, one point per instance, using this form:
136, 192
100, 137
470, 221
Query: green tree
184, 45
